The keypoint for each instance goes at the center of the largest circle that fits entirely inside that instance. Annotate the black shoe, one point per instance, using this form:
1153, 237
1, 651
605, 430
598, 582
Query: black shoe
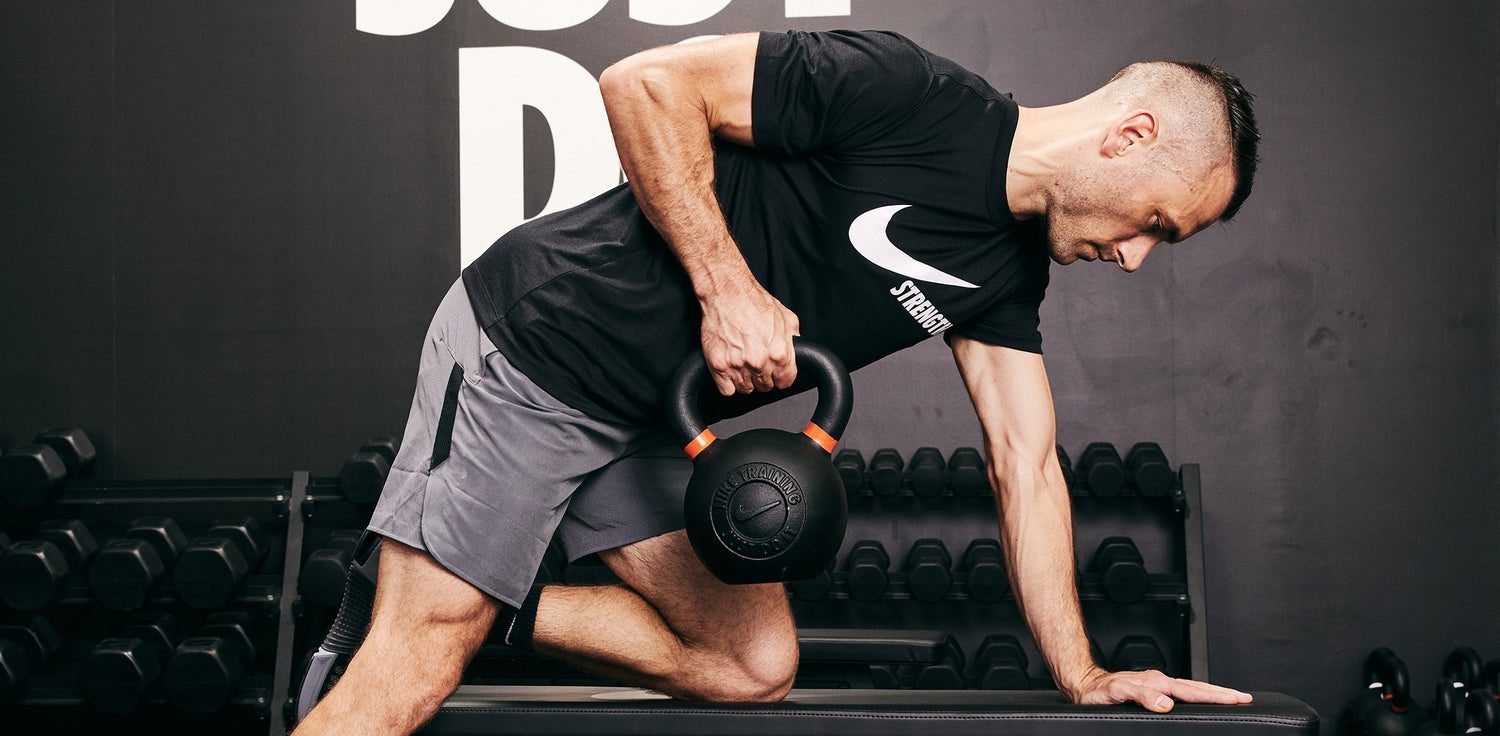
326, 665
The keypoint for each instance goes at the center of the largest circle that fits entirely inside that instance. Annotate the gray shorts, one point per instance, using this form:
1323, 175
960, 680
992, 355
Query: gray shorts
491, 466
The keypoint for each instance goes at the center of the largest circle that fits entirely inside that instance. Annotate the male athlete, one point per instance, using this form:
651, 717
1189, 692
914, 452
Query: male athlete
848, 187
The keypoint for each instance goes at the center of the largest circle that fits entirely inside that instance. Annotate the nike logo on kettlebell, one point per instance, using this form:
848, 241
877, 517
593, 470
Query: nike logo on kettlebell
744, 514
867, 235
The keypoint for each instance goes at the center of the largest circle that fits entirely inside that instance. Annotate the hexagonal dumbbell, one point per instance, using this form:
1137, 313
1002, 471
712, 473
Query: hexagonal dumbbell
1137, 652
1148, 469
948, 674
363, 475
885, 472
984, 565
1070, 477
967, 474
206, 668
1121, 569
929, 476
928, 568
866, 565
26, 645
327, 568
1102, 470
851, 467
815, 588
1002, 663
35, 572
115, 676
30, 475
210, 569
126, 569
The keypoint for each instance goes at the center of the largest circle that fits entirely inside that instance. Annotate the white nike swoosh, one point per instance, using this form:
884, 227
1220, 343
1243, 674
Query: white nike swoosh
867, 235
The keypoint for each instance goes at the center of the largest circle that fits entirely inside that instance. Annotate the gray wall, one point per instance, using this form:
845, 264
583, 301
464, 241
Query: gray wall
225, 226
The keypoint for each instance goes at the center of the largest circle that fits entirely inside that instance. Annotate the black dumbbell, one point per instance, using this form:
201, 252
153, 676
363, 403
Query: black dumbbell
326, 569
966, 473
947, 674
30, 475
33, 573
25, 647
866, 565
1137, 652
124, 572
363, 475
1489, 678
1149, 470
1121, 570
1070, 478
1002, 664
851, 467
928, 568
885, 471
1102, 470
815, 588
1448, 711
115, 676
73, 445
928, 472
206, 668
984, 564
208, 571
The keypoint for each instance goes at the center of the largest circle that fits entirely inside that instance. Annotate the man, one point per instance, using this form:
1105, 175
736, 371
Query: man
852, 188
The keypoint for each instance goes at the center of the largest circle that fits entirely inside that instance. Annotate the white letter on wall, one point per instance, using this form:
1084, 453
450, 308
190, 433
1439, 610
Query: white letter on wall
493, 85
399, 17
675, 12
542, 15
816, 8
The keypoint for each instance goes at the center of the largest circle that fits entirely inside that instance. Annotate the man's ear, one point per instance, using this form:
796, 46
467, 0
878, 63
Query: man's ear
1134, 132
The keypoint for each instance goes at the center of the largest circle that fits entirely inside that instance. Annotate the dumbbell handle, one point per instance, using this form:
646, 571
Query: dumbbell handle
347, 632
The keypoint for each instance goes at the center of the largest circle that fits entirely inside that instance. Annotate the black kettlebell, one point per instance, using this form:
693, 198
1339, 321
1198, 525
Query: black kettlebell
765, 505
1386, 709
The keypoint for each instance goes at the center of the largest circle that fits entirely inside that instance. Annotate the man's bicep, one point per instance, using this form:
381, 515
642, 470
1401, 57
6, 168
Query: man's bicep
1013, 399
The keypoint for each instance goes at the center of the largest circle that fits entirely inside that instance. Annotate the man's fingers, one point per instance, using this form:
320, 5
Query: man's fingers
1201, 692
1157, 692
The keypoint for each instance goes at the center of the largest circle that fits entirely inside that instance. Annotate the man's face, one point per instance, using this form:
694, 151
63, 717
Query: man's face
1119, 211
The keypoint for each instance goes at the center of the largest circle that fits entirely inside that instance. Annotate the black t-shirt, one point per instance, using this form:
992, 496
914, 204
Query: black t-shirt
873, 206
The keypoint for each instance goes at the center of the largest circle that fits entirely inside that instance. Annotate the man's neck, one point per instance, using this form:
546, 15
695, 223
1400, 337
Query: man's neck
1047, 139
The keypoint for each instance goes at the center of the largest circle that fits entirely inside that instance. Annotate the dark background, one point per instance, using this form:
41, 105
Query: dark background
224, 227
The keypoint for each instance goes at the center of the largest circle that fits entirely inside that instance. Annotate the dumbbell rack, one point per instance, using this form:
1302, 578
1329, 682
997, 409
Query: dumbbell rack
1172, 609
298, 510
290, 510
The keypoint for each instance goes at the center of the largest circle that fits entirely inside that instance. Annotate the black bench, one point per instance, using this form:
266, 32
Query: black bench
614, 710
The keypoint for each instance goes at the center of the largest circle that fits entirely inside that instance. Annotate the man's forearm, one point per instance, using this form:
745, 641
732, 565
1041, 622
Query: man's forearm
1036, 529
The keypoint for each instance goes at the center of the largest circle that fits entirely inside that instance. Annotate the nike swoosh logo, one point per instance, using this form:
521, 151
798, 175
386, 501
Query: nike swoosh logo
867, 235
743, 514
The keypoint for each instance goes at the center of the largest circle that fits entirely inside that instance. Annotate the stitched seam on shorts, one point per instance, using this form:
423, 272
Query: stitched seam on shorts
442, 441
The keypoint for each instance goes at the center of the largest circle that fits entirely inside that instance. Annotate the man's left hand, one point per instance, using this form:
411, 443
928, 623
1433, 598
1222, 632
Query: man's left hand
1152, 689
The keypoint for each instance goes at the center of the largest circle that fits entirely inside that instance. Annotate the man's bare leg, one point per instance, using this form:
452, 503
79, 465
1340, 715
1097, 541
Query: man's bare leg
427, 625
673, 627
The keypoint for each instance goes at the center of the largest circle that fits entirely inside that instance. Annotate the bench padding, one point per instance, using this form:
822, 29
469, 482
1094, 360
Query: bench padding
614, 710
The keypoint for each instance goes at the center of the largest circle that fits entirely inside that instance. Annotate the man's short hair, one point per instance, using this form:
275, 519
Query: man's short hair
1244, 137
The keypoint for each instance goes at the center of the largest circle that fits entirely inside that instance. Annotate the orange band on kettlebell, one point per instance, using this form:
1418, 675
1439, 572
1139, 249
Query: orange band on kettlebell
824, 440
699, 443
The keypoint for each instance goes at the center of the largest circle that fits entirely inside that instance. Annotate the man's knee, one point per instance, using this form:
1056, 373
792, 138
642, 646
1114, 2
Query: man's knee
763, 669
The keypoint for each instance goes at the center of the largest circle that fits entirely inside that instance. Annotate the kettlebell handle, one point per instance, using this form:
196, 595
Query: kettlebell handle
835, 398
